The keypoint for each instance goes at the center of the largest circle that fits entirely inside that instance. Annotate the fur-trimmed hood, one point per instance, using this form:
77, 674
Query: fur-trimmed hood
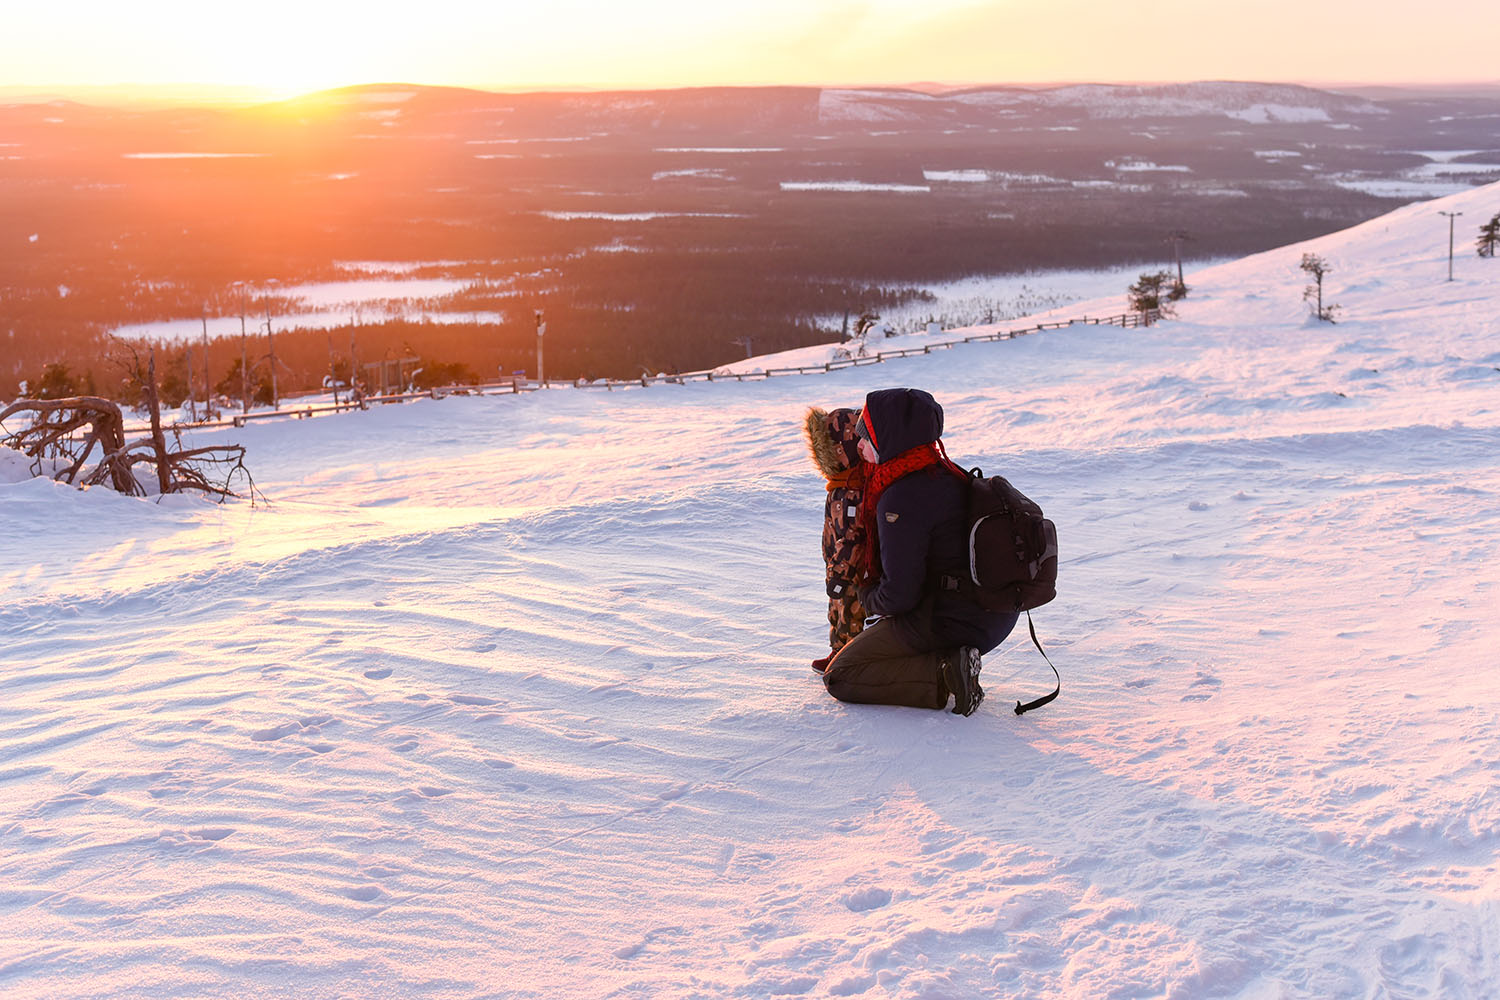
831, 440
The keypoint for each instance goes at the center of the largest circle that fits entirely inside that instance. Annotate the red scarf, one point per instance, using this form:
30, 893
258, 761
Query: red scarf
882, 475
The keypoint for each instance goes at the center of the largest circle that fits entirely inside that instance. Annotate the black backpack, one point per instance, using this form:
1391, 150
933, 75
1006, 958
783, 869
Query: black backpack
1012, 554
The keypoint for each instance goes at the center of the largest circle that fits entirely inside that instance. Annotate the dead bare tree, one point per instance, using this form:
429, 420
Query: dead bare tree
52, 438
61, 436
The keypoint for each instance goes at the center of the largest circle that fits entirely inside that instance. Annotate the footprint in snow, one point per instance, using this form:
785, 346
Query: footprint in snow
853, 986
483, 647
378, 673
471, 699
1197, 505
213, 833
864, 900
794, 987
276, 732
1141, 682
363, 893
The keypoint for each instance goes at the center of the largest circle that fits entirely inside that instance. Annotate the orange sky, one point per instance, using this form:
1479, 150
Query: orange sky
283, 47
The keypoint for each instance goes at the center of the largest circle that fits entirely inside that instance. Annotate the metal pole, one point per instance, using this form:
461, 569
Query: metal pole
541, 329
1175, 238
1451, 216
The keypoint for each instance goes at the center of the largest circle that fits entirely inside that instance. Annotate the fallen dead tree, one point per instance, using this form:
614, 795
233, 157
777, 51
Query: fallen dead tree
80, 440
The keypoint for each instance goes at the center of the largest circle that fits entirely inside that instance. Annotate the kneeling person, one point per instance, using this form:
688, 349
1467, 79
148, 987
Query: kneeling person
926, 646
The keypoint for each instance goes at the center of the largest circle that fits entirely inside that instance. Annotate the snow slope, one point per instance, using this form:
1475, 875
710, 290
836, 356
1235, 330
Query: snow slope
509, 697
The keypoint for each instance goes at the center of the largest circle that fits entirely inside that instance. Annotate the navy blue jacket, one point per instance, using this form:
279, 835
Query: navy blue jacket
921, 519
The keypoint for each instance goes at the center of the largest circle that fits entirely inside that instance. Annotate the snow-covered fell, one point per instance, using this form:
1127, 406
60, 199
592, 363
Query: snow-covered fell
1256, 103
509, 696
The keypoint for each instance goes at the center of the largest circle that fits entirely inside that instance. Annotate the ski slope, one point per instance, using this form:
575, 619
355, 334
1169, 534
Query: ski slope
509, 696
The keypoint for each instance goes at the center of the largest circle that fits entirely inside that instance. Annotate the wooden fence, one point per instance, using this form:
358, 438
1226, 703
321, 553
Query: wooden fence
515, 385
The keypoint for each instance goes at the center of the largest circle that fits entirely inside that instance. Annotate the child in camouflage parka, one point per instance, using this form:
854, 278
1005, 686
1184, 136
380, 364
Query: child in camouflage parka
835, 450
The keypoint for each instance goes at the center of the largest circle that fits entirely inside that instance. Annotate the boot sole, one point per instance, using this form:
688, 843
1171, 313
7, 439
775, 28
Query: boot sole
971, 666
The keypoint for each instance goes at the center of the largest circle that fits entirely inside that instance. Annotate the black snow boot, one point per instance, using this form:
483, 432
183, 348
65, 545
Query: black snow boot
961, 674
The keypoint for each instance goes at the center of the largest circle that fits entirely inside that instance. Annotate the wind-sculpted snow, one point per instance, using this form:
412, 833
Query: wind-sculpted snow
509, 696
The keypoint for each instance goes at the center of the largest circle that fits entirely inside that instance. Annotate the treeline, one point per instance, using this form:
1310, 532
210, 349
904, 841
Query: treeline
685, 328
718, 262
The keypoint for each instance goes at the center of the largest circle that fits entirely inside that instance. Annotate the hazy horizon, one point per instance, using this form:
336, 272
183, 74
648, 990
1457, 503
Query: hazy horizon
228, 95
285, 48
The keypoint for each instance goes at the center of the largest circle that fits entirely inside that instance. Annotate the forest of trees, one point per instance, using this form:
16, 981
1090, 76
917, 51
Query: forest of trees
93, 238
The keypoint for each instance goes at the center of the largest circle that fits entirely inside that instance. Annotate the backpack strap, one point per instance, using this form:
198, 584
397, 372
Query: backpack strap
1023, 709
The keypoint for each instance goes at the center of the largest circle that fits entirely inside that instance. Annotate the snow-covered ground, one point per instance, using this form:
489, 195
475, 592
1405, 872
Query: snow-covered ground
509, 696
1004, 297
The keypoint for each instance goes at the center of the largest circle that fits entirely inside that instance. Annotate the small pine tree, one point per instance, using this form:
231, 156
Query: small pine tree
1147, 292
57, 382
1489, 236
1318, 268
232, 385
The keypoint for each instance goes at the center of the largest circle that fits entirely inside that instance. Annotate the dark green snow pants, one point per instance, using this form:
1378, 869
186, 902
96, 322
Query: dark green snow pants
881, 667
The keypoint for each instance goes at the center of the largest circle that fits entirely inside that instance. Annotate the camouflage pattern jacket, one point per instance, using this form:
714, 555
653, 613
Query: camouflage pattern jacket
835, 451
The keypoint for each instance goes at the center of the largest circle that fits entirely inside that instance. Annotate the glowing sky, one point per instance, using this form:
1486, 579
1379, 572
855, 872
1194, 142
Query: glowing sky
286, 47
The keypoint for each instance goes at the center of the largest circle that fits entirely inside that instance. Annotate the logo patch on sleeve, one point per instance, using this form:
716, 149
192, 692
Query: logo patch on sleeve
891, 517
